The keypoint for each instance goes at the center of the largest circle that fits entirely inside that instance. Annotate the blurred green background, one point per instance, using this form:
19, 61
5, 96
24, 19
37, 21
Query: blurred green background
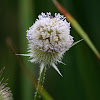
81, 75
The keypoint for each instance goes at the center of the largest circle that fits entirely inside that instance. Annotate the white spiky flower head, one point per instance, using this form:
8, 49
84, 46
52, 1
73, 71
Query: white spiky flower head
5, 93
49, 38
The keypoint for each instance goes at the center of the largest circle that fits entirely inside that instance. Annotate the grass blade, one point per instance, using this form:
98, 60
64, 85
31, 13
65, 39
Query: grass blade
78, 28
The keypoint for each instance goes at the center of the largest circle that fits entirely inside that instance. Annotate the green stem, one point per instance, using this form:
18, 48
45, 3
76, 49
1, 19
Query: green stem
40, 84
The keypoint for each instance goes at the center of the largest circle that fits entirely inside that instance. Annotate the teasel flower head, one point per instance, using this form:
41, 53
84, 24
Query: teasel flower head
5, 93
48, 39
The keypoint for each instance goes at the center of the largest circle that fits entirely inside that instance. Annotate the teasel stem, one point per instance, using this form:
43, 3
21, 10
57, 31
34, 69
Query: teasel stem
40, 82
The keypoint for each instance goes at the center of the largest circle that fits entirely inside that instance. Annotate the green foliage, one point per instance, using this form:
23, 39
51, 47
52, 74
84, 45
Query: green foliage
81, 75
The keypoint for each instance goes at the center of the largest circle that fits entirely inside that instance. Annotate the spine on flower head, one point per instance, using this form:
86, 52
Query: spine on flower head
5, 93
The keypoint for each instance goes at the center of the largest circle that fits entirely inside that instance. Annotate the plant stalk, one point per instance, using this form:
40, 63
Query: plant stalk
40, 84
